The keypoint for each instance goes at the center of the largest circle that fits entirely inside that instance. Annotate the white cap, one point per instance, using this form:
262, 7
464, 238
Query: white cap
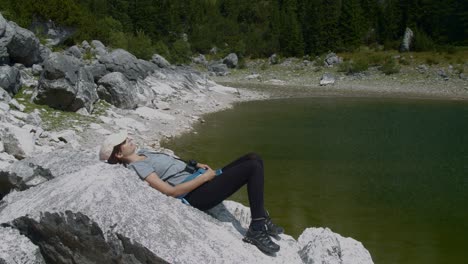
110, 142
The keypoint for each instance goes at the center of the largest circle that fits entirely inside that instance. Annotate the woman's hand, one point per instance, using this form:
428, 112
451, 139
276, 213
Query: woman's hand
209, 174
203, 166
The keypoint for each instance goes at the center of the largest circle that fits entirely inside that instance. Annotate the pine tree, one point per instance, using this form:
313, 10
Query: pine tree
351, 24
291, 41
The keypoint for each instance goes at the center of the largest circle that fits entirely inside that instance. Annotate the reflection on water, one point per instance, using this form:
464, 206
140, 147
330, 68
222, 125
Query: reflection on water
391, 173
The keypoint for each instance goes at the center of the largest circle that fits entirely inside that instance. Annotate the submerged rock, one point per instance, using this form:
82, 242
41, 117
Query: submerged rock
105, 212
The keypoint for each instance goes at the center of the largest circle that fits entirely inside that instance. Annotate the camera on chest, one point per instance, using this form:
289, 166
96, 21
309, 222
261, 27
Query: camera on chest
191, 166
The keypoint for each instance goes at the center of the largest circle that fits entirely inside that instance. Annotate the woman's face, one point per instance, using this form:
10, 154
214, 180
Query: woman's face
128, 147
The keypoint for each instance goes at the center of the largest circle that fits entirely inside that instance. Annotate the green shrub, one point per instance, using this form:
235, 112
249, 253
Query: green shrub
181, 52
390, 67
404, 61
161, 49
140, 46
350, 67
432, 61
391, 45
118, 40
422, 42
264, 66
376, 59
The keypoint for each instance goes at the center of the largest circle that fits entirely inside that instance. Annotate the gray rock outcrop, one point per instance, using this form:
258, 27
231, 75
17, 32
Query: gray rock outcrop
10, 79
332, 59
97, 70
65, 84
200, 59
103, 211
273, 59
5, 39
116, 89
4, 96
53, 33
16, 248
219, 69
329, 247
231, 60
17, 141
407, 40
160, 61
74, 51
123, 61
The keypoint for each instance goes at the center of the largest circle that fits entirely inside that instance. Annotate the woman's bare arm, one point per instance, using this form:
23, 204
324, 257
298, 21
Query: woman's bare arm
175, 191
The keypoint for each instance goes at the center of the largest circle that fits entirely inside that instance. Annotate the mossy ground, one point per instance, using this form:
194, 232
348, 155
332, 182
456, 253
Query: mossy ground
56, 120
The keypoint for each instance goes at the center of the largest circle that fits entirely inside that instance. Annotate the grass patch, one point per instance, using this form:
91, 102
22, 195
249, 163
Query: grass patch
390, 67
351, 67
54, 119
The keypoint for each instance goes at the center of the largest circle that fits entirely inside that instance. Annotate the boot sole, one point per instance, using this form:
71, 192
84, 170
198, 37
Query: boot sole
260, 246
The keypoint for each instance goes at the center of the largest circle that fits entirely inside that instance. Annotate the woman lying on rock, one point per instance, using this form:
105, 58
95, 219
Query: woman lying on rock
197, 184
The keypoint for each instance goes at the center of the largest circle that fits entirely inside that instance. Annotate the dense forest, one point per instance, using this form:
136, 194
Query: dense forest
178, 28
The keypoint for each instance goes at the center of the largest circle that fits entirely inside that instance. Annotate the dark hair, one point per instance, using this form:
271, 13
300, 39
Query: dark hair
112, 158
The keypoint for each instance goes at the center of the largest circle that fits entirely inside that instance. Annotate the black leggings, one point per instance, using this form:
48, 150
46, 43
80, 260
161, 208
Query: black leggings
248, 169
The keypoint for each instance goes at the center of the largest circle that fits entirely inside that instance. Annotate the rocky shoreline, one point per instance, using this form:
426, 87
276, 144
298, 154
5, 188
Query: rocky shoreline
299, 78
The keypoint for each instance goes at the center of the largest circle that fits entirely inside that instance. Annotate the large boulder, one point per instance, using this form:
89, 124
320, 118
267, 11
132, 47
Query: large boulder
102, 212
407, 40
65, 84
10, 79
6, 34
231, 60
24, 46
123, 61
97, 70
116, 89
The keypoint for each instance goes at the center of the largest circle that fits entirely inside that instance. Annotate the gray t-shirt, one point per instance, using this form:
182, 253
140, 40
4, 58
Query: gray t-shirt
164, 165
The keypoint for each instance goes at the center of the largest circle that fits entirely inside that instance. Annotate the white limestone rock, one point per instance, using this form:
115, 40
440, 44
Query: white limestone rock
150, 113
119, 208
253, 76
18, 142
34, 118
327, 78
19, 115
162, 105
130, 124
321, 245
4, 107
6, 160
17, 105
16, 248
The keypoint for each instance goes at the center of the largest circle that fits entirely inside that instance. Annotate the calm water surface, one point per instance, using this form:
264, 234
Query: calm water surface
391, 173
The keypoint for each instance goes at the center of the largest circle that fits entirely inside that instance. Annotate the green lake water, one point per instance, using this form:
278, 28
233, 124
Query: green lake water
391, 173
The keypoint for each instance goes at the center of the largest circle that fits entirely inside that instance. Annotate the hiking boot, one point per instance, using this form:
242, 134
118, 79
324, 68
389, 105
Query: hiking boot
261, 240
272, 229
